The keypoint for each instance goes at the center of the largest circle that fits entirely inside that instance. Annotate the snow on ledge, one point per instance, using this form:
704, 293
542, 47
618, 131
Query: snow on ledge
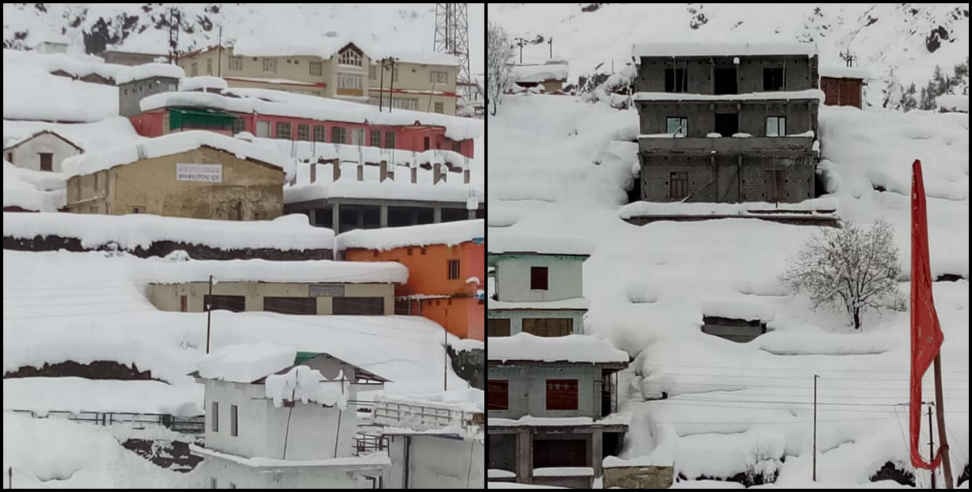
722, 49
573, 303
497, 473
615, 462
448, 233
202, 82
256, 270
837, 71
146, 70
570, 348
809, 94
246, 363
564, 471
173, 143
371, 461
744, 209
503, 241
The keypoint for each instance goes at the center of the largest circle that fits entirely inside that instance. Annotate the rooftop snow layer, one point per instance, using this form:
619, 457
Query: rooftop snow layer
573, 303
146, 70
32, 190
448, 233
838, 71
424, 58
245, 363
752, 96
202, 82
280, 271
100, 134
570, 348
370, 461
307, 385
31, 93
173, 143
323, 46
540, 73
272, 102
723, 49
503, 241
287, 232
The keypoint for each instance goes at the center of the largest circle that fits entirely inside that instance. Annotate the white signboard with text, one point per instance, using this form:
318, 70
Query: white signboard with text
210, 173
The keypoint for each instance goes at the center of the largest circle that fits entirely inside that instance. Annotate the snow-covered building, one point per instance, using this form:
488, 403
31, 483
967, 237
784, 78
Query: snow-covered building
445, 270
132, 58
950, 103
538, 285
142, 81
727, 122
289, 287
43, 150
279, 418
843, 86
551, 75
420, 82
196, 174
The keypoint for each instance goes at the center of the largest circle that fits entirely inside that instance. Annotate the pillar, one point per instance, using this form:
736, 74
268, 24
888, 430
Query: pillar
383, 216
312, 216
597, 451
471, 213
524, 456
336, 218
437, 215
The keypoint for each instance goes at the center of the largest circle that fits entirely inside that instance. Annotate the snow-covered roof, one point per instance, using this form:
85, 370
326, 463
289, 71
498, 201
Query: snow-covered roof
953, 102
425, 58
571, 348
565, 304
32, 93
322, 46
288, 232
503, 241
201, 82
32, 190
540, 73
100, 134
448, 233
146, 70
268, 101
172, 143
245, 363
280, 271
398, 188
838, 71
15, 141
752, 96
723, 49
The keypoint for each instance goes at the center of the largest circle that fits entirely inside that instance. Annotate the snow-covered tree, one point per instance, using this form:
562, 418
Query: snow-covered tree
499, 73
849, 268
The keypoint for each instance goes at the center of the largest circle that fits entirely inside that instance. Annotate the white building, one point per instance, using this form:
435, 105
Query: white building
278, 418
51, 47
41, 151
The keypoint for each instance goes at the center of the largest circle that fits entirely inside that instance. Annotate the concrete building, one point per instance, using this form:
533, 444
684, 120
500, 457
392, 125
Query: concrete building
537, 285
256, 436
41, 151
433, 460
727, 123
551, 406
551, 75
195, 174
132, 92
132, 58
417, 82
445, 270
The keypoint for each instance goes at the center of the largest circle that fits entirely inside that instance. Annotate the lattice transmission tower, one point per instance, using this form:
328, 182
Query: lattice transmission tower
452, 37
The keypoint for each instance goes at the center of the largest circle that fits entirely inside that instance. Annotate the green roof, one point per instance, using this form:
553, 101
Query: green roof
304, 357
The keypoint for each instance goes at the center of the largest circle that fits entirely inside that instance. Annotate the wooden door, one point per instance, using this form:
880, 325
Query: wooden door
290, 305
497, 394
46, 161
358, 305
183, 303
850, 93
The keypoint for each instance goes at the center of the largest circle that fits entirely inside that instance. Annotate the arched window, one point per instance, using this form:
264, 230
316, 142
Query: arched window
349, 57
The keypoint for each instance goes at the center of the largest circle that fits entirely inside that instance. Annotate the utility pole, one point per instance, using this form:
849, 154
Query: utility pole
815, 427
391, 86
550, 42
445, 359
209, 312
931, 445
219, 54
381, 83
520, 42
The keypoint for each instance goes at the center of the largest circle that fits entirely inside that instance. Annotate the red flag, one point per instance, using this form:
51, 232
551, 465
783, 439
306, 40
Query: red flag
926, 333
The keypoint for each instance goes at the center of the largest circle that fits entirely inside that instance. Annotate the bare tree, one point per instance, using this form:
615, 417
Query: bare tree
499, 73
850, 268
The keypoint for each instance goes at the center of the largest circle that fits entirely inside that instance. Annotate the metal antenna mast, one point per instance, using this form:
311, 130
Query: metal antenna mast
452, 37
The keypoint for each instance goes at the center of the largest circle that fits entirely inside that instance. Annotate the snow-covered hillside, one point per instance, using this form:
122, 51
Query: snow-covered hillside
895, 42
558, 165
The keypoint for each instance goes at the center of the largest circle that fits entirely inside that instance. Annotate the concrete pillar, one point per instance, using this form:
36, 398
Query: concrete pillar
437, 215
465, 176
360, 172
336, 218
471, 213
437, 173
313, 170
383, 216
336, 167
414, 174
359, 218
597, 451
524, 456
312, 216
382, 171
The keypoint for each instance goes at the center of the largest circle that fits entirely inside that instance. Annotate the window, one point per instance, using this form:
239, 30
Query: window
538, 278
137, 210
438, 77
498, 394
389, 140
270, 65
548, 327
290, 305
194, 71
375, 138
209, 66
236, 63
675, 80
439, 107
234, 421
561, 394
727, 124
773, 79
239, 125
358, 305
315, 68
350, 57
775, 126
498, 327
677, 185
46, 161
338, 135
373, 72
283, 130
453, 269
426, 142
405, 103
676, 126
303, 132
349, 81
318, 133
725, 81
214, 418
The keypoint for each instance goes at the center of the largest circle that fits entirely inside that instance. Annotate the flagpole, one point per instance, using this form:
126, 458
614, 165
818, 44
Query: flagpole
940, 415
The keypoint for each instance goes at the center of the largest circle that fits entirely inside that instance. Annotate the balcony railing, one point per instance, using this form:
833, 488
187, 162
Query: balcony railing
725, 145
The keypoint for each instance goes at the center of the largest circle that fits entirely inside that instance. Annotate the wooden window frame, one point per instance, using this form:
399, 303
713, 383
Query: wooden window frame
303, 131
779, 120
50, 163
535, 278
375, 142
495, 324
277, 130
236, 63
389, 140
269, 65
495, 388
453, 269
315, 68
562, 394
682, 129
320, 133
337, 131
674, 82
678, 182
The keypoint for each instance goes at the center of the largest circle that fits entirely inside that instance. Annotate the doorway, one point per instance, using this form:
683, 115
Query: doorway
725, 81
727, 124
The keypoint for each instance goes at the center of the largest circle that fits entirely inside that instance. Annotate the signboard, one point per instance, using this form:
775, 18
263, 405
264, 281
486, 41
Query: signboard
209, 173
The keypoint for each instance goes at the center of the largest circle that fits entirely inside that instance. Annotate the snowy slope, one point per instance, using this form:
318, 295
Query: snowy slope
909, 39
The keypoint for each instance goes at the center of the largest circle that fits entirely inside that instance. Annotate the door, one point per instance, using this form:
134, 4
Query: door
358, 305
497, 327
183, 303
427, 143
774, 183
290, 305
263, 129
850, 93
46, 161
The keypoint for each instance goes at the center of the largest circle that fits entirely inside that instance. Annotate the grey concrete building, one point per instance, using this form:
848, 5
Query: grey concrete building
131, 58
131, 92
727, 123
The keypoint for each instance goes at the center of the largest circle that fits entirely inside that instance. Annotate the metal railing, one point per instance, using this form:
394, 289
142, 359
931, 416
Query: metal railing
186, 425
418, 416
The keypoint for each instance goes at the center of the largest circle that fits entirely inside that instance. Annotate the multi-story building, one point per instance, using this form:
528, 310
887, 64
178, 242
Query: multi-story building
727, 123
417, 82
551, 392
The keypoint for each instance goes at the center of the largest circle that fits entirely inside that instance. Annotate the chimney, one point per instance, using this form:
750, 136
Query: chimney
360, 172
382, 171
437, 174
414, 171
336, 166
313, 170
465, 176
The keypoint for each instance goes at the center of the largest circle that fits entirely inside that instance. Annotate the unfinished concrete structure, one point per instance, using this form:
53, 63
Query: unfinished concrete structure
131, 92
727, 123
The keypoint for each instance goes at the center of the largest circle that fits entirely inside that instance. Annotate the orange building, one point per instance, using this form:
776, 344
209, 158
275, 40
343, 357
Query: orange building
446, 269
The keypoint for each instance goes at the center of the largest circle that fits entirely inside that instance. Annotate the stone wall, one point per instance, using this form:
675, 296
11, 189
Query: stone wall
639, 477
469, 365
164, 247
